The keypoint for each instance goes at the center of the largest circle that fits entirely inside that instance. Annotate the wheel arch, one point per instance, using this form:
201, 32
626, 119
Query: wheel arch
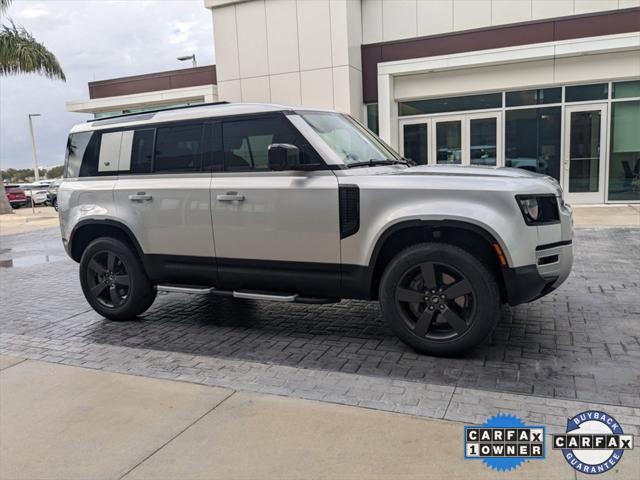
88, 230
469, 236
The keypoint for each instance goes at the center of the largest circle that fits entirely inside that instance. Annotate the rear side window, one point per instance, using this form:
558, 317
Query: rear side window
82, 154
246, 142
142, 151
178, 149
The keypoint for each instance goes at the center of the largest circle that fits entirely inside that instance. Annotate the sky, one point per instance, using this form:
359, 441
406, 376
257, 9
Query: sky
93, 40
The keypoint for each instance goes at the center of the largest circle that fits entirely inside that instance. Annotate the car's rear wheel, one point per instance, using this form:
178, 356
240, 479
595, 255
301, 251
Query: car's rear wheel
114, 281
439, 299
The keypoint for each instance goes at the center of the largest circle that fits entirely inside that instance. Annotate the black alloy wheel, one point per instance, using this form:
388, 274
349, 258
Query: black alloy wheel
113, 279
108, 279
439, 298
436, 300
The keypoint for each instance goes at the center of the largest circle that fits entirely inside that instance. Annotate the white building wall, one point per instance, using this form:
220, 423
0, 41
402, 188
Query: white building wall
292, 52
385, 20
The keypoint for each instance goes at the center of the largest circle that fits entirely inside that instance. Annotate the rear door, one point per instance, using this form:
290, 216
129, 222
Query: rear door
162, 194
274, 230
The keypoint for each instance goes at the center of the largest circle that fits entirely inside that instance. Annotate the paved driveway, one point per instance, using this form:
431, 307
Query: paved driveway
579, 343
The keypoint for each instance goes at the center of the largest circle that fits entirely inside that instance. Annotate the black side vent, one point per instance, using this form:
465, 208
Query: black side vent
349, 210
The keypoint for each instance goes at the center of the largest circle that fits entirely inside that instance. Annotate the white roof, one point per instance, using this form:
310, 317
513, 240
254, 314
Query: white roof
204, 111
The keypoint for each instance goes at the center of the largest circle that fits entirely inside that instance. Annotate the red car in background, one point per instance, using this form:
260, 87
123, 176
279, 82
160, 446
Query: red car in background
17, 197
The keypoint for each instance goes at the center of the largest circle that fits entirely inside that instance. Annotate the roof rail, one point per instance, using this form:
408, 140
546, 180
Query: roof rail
166, 109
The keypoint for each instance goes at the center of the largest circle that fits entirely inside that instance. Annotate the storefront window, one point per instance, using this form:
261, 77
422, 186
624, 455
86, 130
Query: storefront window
626, 89
532, 139
582, 93
624, 161
451, 104
539, 96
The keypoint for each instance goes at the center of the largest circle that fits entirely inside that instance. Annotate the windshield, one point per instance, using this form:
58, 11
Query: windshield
352, 142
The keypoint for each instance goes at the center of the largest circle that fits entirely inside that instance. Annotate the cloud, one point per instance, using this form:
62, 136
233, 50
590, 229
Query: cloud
93, 40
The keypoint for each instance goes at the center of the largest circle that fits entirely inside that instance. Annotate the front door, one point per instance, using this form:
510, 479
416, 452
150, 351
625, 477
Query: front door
467, 139
274, 230
584, 153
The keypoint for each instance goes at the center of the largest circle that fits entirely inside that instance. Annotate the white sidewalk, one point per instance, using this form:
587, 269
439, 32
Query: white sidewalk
64, 422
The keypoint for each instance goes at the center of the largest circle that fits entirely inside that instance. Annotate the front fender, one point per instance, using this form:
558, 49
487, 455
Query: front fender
496, 215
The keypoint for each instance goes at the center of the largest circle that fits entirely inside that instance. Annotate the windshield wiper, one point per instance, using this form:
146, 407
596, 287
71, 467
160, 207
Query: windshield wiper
372, 163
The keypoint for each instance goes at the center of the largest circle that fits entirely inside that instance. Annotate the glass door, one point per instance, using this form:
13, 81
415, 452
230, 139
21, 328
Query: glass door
448, 141
414, 140
467, 139
485, 139
584, 153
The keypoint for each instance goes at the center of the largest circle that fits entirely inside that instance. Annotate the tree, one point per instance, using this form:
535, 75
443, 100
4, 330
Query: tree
55, 172
20, 52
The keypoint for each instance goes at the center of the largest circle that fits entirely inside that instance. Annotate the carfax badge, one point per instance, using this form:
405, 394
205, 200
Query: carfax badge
593, 443
504, 442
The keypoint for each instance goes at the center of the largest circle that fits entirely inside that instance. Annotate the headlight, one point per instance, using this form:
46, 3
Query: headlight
530, 208
539, 209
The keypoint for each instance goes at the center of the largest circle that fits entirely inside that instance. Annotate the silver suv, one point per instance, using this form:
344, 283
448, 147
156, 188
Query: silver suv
298, 205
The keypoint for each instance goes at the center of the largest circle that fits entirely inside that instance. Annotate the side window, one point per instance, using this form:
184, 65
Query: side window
246, 142
82, 154
142, 151
178, 149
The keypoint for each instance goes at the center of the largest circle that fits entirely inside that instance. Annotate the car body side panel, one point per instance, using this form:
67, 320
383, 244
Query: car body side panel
486, 204
176, 220
85, 198
284, 216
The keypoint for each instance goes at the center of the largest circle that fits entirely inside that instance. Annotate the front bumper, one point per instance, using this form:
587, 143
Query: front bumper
530, 282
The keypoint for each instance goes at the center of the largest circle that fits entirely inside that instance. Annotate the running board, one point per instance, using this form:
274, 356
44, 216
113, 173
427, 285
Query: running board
194, 290
198, 290
265, 296
246, 294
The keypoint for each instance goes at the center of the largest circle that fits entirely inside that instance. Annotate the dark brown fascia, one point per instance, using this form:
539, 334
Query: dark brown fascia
537, 31
152, 82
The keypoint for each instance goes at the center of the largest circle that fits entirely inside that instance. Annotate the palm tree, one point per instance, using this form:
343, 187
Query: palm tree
20, 52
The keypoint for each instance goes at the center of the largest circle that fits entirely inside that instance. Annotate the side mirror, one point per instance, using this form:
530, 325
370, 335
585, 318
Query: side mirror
283, 156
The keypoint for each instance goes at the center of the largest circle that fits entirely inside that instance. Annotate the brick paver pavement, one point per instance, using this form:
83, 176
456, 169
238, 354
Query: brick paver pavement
581, 343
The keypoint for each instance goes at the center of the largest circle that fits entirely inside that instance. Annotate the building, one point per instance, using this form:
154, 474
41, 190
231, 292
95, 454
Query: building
139, 93
546, 85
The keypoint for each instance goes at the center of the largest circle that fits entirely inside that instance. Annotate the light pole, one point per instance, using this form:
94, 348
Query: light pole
33, 147
191, 57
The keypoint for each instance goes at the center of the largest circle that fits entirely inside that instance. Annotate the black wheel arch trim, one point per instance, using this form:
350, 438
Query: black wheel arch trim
103, 222
432, 224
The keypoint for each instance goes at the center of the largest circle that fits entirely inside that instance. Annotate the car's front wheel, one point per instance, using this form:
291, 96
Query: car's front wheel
114, 281
439, 298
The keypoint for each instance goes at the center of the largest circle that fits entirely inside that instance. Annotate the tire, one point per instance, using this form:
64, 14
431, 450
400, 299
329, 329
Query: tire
422, 307
54, 204
113, 280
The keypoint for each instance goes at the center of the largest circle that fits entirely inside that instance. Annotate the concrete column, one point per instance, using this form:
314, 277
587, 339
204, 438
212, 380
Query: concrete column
387, 110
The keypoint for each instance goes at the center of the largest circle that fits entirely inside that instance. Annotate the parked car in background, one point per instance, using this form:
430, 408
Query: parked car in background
52, 193
17, 197
36, 191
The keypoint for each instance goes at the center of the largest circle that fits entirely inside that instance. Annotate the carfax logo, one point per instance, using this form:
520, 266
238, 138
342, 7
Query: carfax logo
504, 442
594, 442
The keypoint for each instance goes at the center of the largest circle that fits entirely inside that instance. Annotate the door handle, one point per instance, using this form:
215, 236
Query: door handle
230, 197
140, 197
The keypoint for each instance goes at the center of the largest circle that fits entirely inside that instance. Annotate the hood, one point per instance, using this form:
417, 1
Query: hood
468, 171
